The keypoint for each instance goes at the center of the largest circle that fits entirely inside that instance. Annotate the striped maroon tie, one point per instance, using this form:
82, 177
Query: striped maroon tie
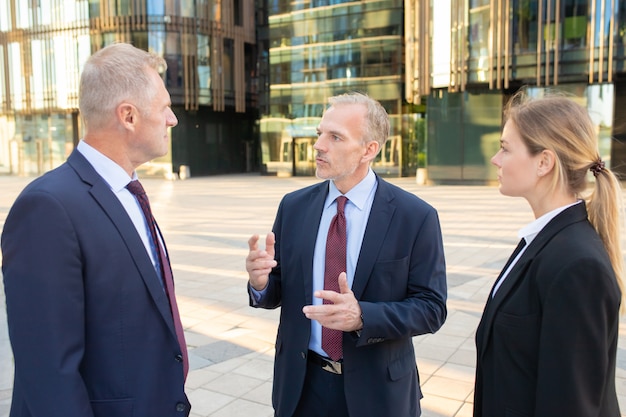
136, 188
332, 340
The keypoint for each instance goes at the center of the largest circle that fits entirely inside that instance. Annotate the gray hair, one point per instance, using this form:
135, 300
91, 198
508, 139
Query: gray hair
377, 125
116, 73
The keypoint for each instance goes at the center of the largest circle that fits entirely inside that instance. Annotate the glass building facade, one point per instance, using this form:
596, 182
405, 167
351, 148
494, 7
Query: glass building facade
443, 69
499, 46
320, 48
210, 49
249, 79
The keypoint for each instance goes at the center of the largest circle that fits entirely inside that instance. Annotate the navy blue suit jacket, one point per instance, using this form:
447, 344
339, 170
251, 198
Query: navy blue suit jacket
400, 284
89, 323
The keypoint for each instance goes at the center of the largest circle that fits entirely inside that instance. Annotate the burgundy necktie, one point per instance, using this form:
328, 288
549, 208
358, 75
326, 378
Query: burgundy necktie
332, 340
136, 188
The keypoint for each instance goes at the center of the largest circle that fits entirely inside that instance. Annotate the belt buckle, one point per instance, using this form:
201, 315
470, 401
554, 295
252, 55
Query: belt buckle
332, 367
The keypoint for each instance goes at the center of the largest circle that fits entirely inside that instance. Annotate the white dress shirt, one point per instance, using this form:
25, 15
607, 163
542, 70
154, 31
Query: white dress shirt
529, 233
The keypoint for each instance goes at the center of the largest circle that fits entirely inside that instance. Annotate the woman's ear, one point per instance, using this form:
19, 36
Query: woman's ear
547, 160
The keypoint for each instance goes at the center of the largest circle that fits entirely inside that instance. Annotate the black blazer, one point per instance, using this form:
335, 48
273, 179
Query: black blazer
89, 323
546, 344
400, 284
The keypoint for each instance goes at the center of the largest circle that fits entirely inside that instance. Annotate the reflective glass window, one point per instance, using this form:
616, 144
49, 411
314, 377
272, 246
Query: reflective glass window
156, 7
174, 60
524, 26
602, 19
94, 8
576, 17
204, 69
479, 25
22, 13
15, 76
3, 87
187, 8
5, 15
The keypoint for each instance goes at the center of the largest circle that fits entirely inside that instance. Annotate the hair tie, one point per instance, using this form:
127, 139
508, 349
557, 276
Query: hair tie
597, 167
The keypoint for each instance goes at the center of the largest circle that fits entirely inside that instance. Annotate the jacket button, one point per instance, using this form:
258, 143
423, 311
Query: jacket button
180, 407
179, 358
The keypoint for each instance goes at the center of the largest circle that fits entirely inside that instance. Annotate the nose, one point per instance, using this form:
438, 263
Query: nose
318, 145
495, 160
172, 120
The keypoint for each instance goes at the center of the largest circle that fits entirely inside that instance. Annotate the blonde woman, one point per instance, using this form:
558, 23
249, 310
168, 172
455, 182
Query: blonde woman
546, 344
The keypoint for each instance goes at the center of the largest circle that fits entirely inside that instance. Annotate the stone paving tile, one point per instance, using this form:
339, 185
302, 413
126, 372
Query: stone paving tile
207, 222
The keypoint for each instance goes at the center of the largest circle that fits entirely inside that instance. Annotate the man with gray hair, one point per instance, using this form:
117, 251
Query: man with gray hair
357, 266
92, 314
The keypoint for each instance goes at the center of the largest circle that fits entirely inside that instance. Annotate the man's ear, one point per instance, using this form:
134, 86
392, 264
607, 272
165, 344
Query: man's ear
371, 150
127, 115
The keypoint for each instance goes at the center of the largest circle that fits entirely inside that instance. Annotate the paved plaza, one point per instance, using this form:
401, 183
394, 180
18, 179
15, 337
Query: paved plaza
207, 222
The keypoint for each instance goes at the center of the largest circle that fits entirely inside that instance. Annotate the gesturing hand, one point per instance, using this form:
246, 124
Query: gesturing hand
259, 263
343, 312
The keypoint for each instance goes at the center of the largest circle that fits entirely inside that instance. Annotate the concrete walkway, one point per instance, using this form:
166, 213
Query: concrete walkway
207, 222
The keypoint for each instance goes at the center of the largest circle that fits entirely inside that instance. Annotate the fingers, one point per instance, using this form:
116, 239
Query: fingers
343, 283
270, 240
259, 263
253, 242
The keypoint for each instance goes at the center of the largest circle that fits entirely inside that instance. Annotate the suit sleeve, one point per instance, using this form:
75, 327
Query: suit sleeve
45, 306
418, 305
577, 341
270, 297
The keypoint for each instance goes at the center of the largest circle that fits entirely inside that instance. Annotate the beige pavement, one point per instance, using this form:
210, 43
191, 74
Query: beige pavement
207, 222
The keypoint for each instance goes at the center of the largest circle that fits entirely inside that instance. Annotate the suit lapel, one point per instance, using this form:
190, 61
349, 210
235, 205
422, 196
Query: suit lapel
570, 215
102, 194
312, 212
375, 232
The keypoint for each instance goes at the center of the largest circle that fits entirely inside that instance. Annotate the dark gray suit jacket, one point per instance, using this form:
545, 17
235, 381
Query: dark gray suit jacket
89, 323
399, 281
546, 344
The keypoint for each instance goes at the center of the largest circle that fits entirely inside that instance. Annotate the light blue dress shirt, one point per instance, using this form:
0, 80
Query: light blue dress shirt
357, 211
117, 179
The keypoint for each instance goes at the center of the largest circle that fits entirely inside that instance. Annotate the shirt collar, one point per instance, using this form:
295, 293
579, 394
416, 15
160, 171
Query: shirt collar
357, 195
531, 230
112, 173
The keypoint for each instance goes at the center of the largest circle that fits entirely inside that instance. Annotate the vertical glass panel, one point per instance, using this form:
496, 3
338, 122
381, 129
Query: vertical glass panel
174, 60
123, 8
524, 26
39, 70
5, 15
156, 42
3, 87
228, 66
187, 8
15, 76
482, 121
172, 7
441, 44
576, 17
479, 23
156, 7
63, 51
94, 7
204, 69
22, 13
602, 19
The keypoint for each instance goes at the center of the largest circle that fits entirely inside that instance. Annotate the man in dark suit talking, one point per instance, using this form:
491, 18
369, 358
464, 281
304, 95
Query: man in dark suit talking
92, 315
357, 266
